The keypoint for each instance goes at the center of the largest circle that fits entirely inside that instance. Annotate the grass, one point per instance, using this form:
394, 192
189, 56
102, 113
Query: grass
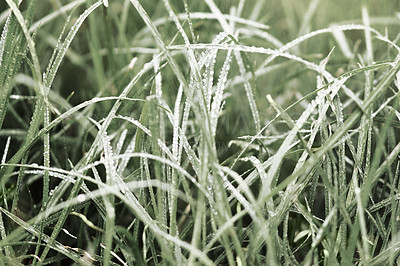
199, 132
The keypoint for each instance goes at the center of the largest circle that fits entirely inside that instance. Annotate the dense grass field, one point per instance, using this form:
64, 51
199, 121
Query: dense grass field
209, 132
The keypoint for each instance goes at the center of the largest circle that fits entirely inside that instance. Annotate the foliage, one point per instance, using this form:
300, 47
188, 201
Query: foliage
199, 132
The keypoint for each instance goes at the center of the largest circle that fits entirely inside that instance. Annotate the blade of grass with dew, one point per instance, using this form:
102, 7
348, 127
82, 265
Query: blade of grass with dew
11, 27
348, 123
175, 144
364, 142
55, 245
63, 205
249, 85
361, 198
3, 232
206, 127
5, 172
324, 175
158, 148
19, 154
49, 76
40, 90
217, 104
346, 75
307, 36
174, 66
109, 200
208, 73
9, 62
210, 16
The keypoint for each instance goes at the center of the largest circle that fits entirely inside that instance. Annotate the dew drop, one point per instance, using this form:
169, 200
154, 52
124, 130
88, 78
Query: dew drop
81, 198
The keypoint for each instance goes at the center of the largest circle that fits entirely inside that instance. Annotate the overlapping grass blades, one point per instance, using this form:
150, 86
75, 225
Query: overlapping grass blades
176, 147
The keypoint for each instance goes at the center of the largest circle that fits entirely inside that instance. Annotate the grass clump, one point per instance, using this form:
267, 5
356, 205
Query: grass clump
205, 133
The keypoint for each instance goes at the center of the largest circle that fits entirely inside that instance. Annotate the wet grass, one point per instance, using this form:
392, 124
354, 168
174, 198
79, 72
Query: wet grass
199, 133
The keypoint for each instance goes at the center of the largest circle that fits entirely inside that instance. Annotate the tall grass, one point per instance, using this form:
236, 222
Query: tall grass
199, 133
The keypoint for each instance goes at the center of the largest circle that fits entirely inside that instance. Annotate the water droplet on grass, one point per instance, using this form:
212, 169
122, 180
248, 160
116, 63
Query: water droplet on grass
81, 198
